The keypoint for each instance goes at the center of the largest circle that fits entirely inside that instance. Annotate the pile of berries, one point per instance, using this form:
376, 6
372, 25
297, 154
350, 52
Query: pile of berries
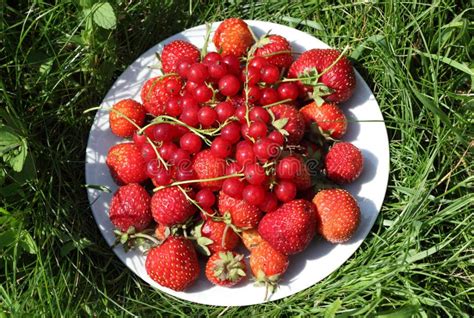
236, 145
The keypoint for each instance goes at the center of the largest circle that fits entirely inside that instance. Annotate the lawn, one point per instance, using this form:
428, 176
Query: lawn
57, 61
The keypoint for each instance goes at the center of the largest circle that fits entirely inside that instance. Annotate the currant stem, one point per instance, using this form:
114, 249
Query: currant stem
177, 183
278, 103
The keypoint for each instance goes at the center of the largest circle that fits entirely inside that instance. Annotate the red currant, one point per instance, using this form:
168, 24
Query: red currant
233, 63
244, 153
179, 156
190, 142
270, 203
173, 86
231, 132
258, 62
229, 85
233, 168
164, 132
183, 66
139, 139
240, 113
174, 106
207, 116
233, 187
285, 191
197, 73
251, 75
189, 116
148, 153
257, 129
269, 74
268, 96
288, 91
255, 174
254, 194
211, 58
259, 114
253, 93
167, 150
221, 148
202, 93
277, 137
217, 70
288, 167
205, 198
224, 110
162, 177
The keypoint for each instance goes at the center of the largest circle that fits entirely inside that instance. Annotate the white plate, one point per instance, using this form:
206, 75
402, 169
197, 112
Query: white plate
317, 261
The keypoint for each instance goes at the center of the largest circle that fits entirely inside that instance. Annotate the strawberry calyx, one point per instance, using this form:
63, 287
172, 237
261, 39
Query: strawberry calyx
270, 283
201, 241
229, 267
131, 239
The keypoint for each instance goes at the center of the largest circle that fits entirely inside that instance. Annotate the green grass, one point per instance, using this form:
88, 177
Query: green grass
416, 57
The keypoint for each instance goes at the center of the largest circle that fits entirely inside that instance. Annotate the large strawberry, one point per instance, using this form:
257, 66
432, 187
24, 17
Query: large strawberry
233, 36
290, 228
290, 121
130, 206
122, 113
267, 265
157, 91
225, 268
208, 166
173, 264
243, 214
328, 116
277, 52
222, 236
176, 50
338, 77
337, 213
169, 206
126, 163
344, 162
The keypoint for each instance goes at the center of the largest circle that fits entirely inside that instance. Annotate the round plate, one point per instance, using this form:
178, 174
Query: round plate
366, 130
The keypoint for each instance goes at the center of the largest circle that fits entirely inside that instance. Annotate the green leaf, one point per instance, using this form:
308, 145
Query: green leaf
86, 4
404, 311
7, 238
280, 123
13, 148
104, 15
332, 309
27, 242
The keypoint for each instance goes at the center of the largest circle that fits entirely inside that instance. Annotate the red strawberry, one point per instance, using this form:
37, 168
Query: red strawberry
243, 214
344, 162
208, 166
277, 52
169, 206
294, 126
337, 213
222, 236
251, 238
131, 109
173, 264
130, 206
329, 117
174, 51
340, 78
267, 265
156, 92
225, 268
290, 228
126, 163
233, 36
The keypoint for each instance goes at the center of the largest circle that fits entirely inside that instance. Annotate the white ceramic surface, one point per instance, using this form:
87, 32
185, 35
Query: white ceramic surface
307, 268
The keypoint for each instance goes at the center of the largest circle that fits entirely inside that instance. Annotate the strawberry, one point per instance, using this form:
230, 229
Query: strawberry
251, 238
222, 236
243, 214
328, 116
126, 163
340, 78
290, 228
174, 51
173, 264
131, 109
267, 265
156, 92
169, 206
293, 127
344, 162
277, 52
233, 36
337, 213
208, 166
225, 268
130, 206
